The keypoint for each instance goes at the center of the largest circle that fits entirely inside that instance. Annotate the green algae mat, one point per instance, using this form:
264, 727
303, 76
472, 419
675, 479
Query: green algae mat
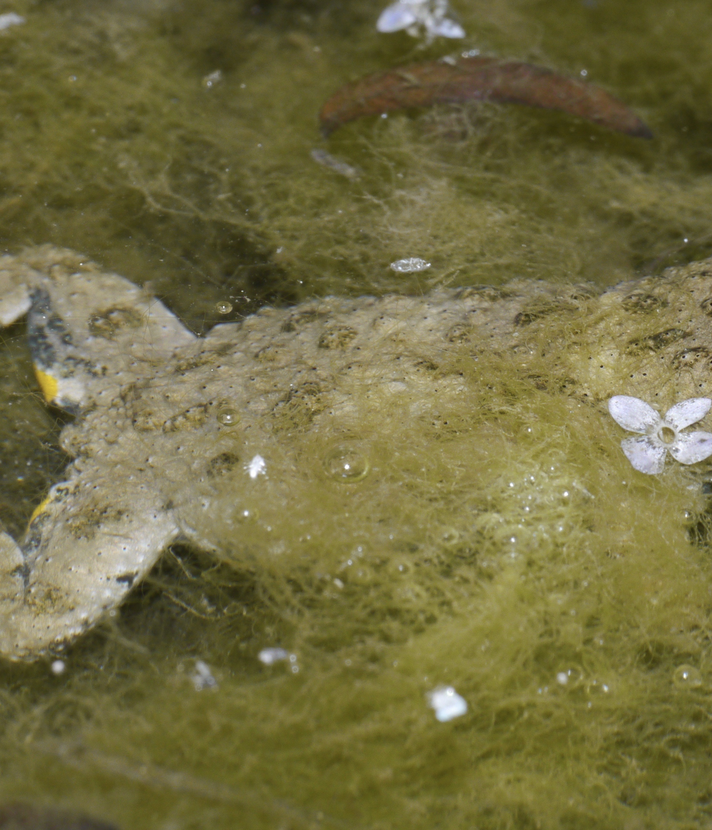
512, 553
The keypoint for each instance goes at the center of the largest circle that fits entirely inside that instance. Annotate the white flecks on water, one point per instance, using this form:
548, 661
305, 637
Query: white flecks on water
256, 467
57, 667
10, 19
447, 703
410, 265
270, 656
202, 677
212, 79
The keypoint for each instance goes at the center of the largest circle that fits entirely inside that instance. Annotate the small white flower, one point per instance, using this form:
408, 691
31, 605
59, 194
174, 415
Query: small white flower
661, 435
412, 15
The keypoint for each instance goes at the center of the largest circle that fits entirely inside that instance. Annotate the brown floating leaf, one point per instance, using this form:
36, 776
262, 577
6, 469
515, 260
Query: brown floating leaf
477, 79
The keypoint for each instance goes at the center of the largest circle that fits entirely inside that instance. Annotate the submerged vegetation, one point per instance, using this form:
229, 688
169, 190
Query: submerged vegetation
569, 598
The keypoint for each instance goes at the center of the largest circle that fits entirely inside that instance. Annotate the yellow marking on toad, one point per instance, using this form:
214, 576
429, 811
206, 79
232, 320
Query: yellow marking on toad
39, 509
48, 384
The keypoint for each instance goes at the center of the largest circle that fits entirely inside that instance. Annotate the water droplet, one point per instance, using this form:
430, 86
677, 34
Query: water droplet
223, 307
687, 677
228, 415
346, 463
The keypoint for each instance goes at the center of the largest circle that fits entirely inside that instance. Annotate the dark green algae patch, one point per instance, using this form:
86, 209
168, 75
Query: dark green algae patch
116, 142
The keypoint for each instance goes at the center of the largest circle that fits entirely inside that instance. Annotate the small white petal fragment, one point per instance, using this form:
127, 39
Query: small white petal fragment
645, 456
202, 677
270, 656
692, 447
10, 19
394, 18
256, 467
447, 703
409, 265
632, 413
448, 28
687, 412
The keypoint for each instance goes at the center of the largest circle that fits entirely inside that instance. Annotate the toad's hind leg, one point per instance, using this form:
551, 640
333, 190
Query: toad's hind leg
80, 556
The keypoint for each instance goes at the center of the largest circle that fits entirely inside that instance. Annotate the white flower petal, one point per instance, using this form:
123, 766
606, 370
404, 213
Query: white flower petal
394, 18
692, 447
448, 28
632, 413
687, 412
644, 455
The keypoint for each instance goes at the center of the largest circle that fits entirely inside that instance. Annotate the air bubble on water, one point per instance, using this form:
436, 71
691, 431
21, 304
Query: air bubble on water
450, 536
228, 415
346, 463
687, 677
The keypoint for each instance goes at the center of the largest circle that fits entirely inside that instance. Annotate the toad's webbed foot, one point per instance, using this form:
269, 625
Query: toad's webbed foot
80, 556
97, 534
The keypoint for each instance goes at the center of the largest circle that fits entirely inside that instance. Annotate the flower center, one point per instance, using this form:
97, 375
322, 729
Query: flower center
666, 434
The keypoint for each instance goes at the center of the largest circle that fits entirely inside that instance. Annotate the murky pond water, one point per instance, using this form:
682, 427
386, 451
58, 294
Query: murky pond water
172, 142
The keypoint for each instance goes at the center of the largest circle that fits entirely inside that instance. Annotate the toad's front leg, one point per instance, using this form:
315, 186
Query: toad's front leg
88, 543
